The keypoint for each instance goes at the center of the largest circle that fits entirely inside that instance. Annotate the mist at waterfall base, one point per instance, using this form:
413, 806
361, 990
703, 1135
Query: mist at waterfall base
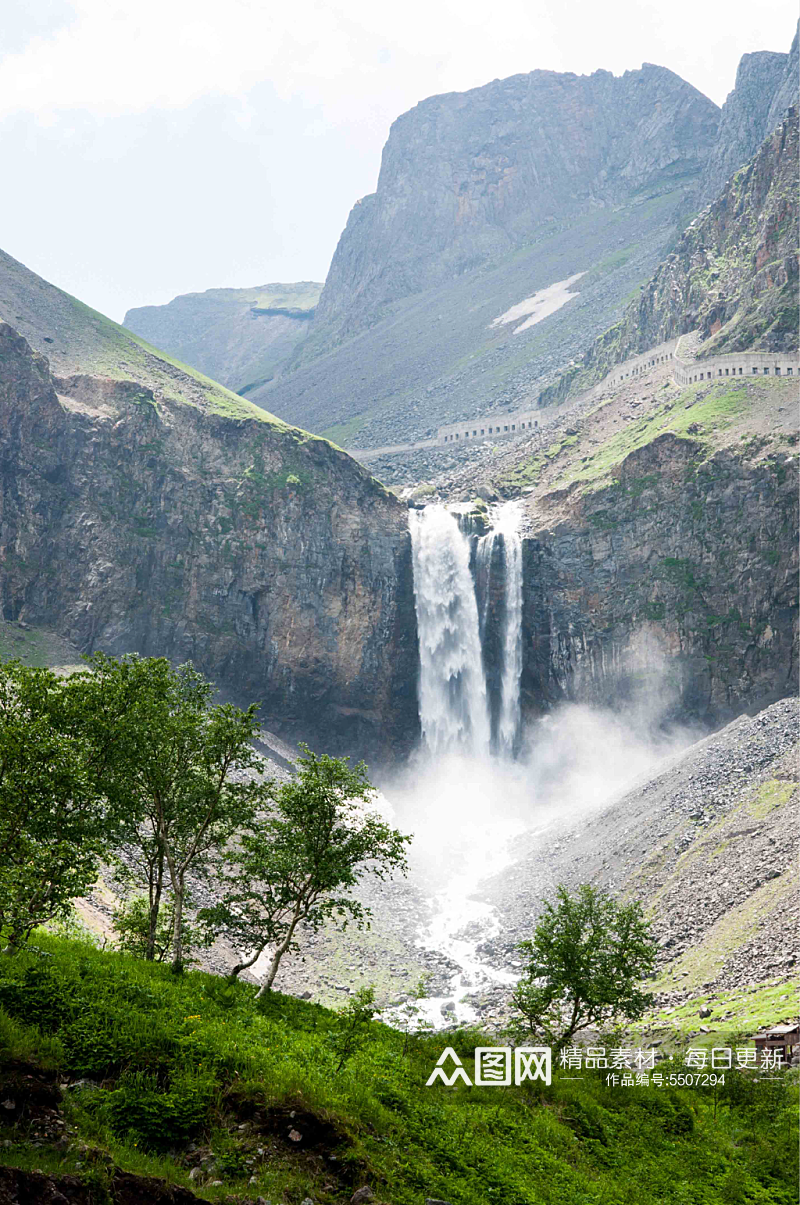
479, 789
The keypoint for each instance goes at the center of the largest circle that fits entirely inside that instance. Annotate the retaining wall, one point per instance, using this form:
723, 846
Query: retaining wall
737, 364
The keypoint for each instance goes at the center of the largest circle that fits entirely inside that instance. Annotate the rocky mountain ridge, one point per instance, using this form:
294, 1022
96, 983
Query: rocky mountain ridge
486, 199
240, 337
467, 177
478, 206
766, 85
733, 274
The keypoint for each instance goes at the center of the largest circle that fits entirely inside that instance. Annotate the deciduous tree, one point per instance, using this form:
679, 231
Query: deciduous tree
585, 965
186, 766
296, 865
55, 821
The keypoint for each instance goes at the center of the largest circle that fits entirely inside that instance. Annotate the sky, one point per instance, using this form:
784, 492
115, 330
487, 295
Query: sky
169, 146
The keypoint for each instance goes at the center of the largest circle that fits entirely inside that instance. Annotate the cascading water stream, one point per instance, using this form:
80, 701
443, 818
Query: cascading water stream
463, 831
452, 692
505, 533
508, 728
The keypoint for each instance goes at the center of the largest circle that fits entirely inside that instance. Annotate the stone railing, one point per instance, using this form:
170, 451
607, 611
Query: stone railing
501, 426
497, 425
637, 365
736, 364
684, 372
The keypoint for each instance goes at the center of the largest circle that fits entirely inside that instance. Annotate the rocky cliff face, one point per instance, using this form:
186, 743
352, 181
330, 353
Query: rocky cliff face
130, 521
675, 584
240, 337
661, 544
733, 274
786, 93
468, 177
484, 200
745, 118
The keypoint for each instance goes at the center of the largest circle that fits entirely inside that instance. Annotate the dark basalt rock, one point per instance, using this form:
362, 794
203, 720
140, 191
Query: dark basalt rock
271, 560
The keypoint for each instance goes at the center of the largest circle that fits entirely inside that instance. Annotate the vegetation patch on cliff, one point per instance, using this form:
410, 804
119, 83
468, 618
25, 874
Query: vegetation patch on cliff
694, 414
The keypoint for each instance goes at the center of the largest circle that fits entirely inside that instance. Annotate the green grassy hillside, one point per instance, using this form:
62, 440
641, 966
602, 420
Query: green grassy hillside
164, 1075
77, 340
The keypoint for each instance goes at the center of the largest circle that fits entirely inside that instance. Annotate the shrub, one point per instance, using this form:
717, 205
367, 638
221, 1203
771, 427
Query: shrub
38, 993
158, 1119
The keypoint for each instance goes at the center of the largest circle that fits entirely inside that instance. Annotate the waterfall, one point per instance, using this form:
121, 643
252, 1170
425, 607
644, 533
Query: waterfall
457, 710
452, 692
506, 527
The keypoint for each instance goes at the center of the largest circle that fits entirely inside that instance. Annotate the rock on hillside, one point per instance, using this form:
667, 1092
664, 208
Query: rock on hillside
159, 513
745, 120
660, 543
240, 337
678, 575
733, 274
786, 94
708, 843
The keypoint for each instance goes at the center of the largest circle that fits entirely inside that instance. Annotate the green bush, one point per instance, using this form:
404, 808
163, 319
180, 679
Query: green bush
39, 994
157, 1119
188, 1058
671, 1113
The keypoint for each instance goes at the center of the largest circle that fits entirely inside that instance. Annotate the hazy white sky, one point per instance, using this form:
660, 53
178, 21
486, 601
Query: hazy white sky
158, 147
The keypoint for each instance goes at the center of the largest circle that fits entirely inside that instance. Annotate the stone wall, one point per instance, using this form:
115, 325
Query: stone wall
736, 364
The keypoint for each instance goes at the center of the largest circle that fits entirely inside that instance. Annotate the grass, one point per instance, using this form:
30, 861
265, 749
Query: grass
78, 341
734, 929
117, 352
699, 414
770, 795
694, 414
36, 647
529, 472
189, 1072
743, 1010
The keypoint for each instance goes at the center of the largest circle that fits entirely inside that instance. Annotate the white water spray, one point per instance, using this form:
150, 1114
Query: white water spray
461, 837
475, 805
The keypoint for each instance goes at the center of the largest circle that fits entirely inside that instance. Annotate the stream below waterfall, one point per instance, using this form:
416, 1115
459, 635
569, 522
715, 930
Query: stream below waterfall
468, 598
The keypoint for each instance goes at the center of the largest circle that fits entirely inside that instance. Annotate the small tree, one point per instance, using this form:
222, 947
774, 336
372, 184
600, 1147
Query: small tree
586, 961
131, 922
184, 766
54, 821
296, 865
353, 1022
411, 1016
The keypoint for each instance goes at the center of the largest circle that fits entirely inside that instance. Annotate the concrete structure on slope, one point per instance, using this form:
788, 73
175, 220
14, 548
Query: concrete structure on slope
497, 425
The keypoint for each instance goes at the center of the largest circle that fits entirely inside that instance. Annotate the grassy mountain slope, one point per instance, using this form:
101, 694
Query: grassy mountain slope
78, 341
437, 355
240, 337
181, 1074
709, 843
